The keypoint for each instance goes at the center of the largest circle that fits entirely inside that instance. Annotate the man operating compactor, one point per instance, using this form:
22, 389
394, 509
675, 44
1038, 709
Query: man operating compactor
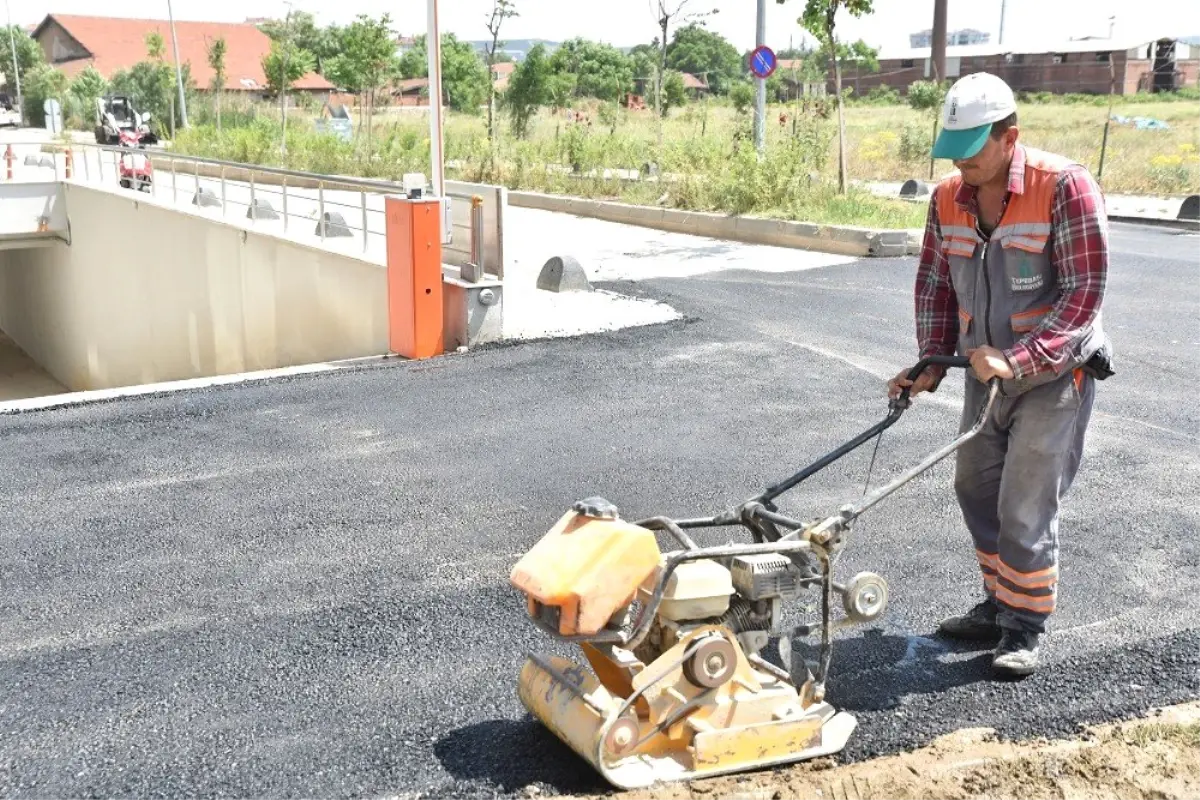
1012, 275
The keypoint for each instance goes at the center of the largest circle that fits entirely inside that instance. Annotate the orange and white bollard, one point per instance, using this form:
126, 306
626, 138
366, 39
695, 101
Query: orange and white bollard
8, 159
69, 163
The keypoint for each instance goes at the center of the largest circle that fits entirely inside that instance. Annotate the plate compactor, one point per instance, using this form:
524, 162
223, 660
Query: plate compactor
678, 689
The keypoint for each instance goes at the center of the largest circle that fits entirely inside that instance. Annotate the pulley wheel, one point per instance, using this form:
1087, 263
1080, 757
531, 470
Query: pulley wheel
865, 597
622, 737
712, 664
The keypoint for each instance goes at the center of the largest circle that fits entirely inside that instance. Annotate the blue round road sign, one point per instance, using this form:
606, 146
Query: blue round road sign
763, 61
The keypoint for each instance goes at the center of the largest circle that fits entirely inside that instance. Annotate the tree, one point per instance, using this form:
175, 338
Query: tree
701, 52
300, 27
29, 56
819, 19
928, 96
285, 64
367, 61
741, 94
38, 85
465, 77
667, 10
151, 84
600, 70
216, 60
501, 10
528, 89
674, 93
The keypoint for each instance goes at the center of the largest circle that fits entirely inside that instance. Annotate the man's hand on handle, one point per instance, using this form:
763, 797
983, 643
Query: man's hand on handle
988, 363
925, 382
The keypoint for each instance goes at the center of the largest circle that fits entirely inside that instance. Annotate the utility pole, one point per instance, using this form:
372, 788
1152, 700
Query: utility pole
178, 69
939, 40
760, 84
1003, 3
12, 41
283, 73
433, 53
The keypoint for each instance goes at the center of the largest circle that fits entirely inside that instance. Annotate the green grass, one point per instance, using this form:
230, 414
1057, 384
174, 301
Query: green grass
706, 154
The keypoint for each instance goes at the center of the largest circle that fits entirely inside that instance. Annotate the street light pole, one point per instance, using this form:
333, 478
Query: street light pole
12, 41
283, 81
178, 69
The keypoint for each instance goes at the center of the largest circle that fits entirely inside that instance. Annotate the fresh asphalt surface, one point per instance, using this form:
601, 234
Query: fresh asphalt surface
300, 587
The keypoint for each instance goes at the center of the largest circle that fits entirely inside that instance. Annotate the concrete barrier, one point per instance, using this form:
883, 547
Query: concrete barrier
841, 239
188, 297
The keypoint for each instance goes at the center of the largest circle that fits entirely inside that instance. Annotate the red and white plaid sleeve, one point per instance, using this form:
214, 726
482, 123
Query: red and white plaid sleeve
936, 304
1079, 230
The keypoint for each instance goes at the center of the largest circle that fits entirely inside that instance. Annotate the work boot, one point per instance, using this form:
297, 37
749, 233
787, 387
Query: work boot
1017, 653
979, 624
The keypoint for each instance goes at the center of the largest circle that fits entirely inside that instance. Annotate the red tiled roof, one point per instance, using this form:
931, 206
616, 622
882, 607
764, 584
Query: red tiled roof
690, 81
116, 44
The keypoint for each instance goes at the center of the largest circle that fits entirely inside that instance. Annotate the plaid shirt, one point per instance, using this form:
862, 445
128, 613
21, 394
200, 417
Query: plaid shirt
1079, 237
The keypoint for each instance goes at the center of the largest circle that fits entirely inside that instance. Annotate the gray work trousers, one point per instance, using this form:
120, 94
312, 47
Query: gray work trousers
1010, 480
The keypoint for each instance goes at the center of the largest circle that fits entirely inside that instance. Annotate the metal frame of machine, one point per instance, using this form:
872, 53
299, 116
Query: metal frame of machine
679, 698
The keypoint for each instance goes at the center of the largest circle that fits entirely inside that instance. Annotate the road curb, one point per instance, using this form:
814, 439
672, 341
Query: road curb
1158, 222
839, 239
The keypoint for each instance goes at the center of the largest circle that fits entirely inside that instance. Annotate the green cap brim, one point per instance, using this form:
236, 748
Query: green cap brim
960, 144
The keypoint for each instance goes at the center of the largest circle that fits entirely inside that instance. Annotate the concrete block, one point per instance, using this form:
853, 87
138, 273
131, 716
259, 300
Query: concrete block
261, 209
47, 161
31, 160
914, 188
1190, 208
335, 226
886, 244
206, 197
563, 274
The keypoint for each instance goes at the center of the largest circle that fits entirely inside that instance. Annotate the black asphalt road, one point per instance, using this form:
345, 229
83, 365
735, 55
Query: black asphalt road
300, 587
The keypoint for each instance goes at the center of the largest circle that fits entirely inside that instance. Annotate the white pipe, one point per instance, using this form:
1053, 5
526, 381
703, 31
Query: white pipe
433, 49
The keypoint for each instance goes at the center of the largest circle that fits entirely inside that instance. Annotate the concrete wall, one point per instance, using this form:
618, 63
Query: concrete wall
146, 293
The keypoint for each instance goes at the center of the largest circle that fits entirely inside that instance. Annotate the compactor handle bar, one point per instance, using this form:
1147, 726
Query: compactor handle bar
896, 407
762, 505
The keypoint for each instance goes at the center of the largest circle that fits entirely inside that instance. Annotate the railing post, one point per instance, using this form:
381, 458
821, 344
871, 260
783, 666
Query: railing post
285, 214
222, 189
196, 174
174, 183
366, 233
87, 174
253, 213
477, 236
321, 208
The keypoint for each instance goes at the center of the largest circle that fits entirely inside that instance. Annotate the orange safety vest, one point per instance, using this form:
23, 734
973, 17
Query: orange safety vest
1007, 284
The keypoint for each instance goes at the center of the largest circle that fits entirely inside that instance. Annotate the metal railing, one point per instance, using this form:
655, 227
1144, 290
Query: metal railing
257, 189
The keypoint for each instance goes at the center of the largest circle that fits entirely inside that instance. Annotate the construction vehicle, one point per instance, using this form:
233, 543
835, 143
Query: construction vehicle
10, 114
115, 114
678, 688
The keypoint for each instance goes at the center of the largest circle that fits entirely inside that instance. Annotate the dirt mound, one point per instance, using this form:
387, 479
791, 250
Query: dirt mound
1157, 757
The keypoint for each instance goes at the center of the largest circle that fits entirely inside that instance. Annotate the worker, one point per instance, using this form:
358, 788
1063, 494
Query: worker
1011, 275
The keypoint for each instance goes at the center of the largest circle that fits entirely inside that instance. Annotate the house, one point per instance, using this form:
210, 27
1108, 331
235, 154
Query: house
111, 44
693, 86
1081, 66
501, 73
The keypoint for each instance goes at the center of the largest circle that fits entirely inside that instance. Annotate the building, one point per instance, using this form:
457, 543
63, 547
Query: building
501, 73
957, 38
112, 44
1081, 66
794, 84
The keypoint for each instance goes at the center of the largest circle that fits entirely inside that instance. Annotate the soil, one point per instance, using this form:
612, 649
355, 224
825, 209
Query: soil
1157, 757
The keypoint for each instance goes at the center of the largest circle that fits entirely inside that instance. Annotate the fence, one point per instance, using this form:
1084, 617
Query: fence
342, 208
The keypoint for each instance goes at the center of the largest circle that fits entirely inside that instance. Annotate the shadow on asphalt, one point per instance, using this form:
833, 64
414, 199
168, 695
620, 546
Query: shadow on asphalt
876, 671
509, 755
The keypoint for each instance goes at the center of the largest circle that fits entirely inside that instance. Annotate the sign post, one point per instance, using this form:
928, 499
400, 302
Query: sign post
762, 64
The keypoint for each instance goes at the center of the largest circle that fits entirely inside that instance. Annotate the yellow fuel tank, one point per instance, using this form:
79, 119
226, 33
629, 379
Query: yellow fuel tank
584, 570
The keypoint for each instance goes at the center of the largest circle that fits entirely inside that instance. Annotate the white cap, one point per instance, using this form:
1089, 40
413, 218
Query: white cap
974, 101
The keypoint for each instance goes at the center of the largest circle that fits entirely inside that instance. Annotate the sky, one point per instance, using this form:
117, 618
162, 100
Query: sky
629, 22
